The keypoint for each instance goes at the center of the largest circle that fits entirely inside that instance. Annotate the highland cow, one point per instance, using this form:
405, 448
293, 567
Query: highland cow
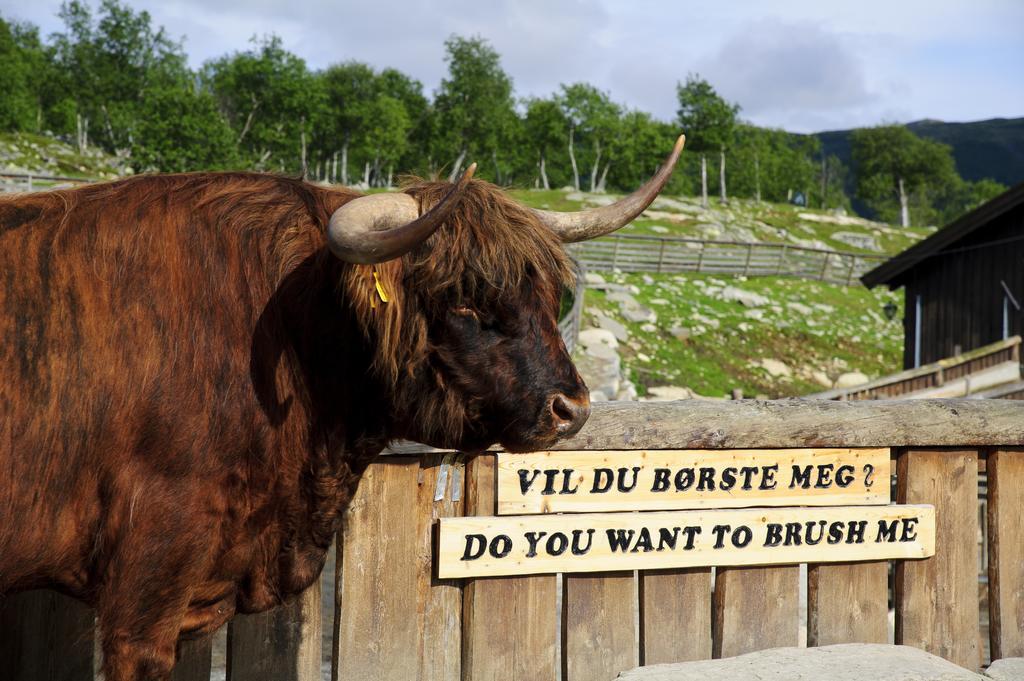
196, 369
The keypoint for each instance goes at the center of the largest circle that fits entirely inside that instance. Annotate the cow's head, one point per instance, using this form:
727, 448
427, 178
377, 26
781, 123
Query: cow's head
467, 341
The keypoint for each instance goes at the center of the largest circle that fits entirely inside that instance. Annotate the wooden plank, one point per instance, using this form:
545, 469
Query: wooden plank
509, 626
755, 609
937, 599
675, 615
1006, 553
283, 644
378, 562
600, 626
45, 636
640, 480
847, 603
743, 424
599, 542
439, 601
194, 660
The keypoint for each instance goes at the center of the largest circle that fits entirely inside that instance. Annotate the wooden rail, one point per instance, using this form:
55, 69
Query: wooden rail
641, 253
992, 365
29, 179
395, 620
569, 325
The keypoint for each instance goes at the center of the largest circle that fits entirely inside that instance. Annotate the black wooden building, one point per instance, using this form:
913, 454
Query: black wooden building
964, 285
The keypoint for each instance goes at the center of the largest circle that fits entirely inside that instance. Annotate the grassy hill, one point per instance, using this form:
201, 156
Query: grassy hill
800, 340
745, 220
767, 336
42, 155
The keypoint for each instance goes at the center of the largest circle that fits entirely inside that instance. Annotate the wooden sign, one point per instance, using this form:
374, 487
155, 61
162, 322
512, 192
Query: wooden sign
553, 482
516, 545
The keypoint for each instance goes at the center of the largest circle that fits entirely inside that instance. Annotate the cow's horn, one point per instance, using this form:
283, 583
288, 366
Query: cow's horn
588, 224
379, 227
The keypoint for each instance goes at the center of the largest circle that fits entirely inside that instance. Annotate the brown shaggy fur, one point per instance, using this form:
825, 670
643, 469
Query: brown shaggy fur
191, 385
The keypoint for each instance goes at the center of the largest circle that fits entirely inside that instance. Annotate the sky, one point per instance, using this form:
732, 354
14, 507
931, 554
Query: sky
802, 65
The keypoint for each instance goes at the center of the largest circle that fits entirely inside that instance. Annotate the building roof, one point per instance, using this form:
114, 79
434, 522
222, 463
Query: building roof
960, 228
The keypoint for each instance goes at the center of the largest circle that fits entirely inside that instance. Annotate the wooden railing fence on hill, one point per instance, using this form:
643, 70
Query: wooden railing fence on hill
29, 180
641, 253
957, 376
395, 620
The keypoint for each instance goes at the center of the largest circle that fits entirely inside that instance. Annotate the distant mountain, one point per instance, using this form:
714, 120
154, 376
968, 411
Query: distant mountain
983, 149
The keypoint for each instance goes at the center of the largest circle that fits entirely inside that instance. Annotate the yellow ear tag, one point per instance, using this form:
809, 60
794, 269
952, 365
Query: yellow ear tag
380, 289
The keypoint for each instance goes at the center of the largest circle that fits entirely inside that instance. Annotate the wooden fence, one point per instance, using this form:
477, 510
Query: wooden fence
640, 253
569, 325
28, 181
395, 620
958, 376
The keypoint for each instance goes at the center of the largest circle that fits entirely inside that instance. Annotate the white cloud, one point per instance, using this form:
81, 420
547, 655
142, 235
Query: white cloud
773, 66
801, 64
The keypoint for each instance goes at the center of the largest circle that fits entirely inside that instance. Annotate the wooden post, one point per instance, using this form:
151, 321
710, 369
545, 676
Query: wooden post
849, 274
847, 603
675, 615
194, 658
600, 625
280, 645
661, 255
615, 252
45, 636
509, 624
746, 265
393, 620
937, 598
700, 256
1006, 553
824, 266
755, 608
782, 259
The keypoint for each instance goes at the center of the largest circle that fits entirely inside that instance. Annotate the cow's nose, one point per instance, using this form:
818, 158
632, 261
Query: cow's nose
569, 414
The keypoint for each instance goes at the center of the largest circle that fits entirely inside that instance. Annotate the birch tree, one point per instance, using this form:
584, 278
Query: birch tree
350, 89
545, 125
474, 105
894, 167
592, 118
709, 123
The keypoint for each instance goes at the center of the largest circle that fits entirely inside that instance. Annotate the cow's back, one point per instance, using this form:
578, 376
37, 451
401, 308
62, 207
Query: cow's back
127, 318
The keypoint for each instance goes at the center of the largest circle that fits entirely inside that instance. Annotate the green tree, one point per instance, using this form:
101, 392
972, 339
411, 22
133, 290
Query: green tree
961, 196
182, 131
709, 123
111, 63
350, 89
545, 125
474, 105
25, 67
386, 138
831, 177
894, 167
593, 121
409, 92
271, 101
639, 149
773, 164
